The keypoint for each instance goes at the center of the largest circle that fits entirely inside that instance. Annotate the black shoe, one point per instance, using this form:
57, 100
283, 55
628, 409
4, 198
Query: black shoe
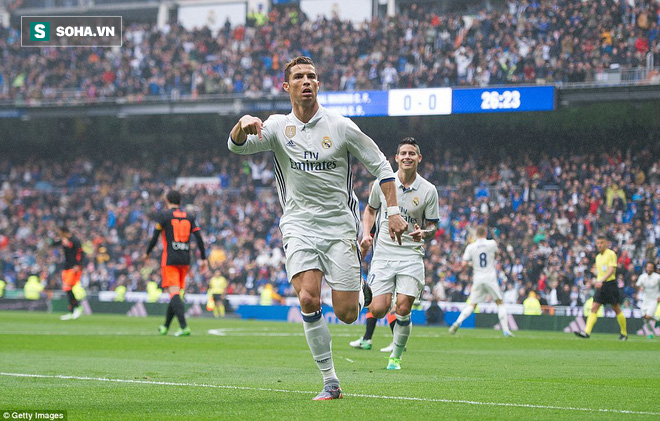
623, 337
368, 296
582, 335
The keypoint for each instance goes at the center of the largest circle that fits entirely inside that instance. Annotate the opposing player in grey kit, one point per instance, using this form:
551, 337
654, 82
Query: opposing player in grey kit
312, 149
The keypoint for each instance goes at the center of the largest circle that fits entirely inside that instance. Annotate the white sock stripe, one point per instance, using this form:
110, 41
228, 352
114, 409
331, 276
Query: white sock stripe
356, 395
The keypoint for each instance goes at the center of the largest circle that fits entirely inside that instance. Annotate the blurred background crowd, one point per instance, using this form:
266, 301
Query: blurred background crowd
521, 42
544, 210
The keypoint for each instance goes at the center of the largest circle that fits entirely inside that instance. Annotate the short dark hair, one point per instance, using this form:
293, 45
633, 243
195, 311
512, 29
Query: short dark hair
174, 197
408, 141
295, 61
63, 228
602, 237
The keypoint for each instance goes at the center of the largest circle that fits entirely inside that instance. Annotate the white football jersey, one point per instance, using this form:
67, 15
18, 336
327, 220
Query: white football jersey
418, 204
481, 254
651, 285
312, 164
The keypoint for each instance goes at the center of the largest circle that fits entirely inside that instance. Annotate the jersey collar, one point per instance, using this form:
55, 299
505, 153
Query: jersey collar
414, 186
311, 123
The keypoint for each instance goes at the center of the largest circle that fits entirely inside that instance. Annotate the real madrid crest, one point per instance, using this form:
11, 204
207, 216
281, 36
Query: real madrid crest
415, 201
326, 143
290, 131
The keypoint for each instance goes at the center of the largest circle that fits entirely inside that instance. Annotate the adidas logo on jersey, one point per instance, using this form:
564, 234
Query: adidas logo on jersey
290, 143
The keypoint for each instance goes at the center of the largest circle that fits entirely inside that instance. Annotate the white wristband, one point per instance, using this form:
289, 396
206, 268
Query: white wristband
393, 210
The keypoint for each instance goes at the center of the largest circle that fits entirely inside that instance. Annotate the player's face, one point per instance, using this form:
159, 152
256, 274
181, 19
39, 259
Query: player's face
601, 245
303, 84
407, 158
650, 268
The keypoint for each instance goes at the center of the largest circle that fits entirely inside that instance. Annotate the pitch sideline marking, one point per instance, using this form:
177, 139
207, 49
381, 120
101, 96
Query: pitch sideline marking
356, 395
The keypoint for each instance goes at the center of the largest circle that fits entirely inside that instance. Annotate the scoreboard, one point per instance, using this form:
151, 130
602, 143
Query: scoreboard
440, 101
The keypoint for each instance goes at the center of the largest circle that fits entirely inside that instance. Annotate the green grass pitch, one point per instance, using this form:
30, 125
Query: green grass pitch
110, 367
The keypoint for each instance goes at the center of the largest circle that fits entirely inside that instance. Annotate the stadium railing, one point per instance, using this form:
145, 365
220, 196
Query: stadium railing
614, 77
605, 79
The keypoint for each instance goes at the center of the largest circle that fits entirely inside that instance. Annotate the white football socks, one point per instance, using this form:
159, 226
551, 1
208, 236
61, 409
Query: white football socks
402, 329
504, 318
464, 314
320, 343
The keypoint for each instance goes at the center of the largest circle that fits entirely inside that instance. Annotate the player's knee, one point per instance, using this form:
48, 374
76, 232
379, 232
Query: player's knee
403, 309
347, 316
378, 312
309, 302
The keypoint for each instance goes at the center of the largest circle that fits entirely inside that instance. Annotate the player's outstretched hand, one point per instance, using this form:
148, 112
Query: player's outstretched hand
251, 125
397, 227
417, 234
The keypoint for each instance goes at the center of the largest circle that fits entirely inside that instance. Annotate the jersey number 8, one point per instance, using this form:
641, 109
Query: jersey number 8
483, 262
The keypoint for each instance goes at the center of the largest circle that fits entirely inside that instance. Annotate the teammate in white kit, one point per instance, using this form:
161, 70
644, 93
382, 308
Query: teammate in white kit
312, 149
481, 254
650, 282
399, 269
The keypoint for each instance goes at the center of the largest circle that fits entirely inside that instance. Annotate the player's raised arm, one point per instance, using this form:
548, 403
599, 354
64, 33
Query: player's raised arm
246, 125
250, 135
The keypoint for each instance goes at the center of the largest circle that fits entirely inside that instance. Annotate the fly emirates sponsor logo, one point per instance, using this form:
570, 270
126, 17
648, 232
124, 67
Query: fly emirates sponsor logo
311, 163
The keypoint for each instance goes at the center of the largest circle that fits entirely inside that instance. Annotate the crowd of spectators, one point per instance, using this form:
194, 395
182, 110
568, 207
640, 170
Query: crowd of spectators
545, 211
527, 41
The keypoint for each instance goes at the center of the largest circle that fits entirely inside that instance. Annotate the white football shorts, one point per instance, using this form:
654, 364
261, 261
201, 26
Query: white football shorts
403, 276
337, 259
649, 305
481, 290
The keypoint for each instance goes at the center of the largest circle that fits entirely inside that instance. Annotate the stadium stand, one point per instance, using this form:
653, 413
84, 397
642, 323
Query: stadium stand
546, 211
524, 42
545, 208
